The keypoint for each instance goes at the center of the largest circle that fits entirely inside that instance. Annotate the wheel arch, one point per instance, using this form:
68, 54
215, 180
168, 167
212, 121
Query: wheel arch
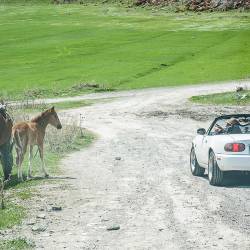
217, 175
209, 152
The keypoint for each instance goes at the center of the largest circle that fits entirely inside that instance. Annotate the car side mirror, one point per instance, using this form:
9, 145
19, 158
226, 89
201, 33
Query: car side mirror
201, 131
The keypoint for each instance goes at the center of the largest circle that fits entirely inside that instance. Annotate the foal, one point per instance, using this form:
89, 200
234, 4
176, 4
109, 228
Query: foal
32, 133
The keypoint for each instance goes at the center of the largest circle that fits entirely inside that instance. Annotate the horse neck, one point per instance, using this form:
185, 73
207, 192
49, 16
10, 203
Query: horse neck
43, 123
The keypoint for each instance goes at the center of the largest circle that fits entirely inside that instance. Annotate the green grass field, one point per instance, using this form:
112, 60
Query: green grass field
53, 47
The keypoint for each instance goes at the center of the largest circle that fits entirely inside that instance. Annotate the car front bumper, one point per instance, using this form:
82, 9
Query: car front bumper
233, 162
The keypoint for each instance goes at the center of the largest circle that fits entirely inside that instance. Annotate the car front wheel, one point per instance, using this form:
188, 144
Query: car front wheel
196, 169
215, 175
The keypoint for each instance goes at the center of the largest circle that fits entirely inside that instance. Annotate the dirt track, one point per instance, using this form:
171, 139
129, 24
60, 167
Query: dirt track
149, 192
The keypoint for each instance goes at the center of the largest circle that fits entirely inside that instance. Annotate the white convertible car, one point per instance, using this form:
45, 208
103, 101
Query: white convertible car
225, 146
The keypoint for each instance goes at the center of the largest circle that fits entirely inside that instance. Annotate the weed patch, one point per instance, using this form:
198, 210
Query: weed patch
11, 215
16, 244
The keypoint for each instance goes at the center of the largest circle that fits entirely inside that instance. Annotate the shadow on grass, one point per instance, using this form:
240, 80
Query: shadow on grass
234, 179
14, 182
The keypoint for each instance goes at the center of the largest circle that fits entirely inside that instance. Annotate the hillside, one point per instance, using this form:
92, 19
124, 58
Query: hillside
49, 50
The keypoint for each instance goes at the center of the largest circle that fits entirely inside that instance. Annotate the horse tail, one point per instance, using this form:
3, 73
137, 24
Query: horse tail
17, 140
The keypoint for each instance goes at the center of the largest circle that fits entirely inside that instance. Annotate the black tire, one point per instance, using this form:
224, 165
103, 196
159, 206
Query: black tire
6, 159
196, 169
215, 175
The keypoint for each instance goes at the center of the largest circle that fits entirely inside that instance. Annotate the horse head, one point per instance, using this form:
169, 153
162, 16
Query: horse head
54, 119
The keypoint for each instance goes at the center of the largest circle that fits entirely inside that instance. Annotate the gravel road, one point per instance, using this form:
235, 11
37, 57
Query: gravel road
136, 177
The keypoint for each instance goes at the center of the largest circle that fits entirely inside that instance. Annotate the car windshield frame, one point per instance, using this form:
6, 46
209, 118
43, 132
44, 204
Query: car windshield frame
225, 117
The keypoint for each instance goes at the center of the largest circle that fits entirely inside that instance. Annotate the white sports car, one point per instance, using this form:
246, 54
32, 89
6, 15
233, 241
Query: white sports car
225, 146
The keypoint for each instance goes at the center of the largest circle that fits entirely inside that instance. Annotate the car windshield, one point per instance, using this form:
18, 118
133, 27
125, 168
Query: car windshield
232, 125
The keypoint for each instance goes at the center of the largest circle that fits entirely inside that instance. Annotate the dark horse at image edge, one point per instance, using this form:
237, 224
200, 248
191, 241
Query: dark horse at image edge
6, 157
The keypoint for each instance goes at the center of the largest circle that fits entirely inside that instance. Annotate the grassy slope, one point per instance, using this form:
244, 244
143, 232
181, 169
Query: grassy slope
227, 98
54, 47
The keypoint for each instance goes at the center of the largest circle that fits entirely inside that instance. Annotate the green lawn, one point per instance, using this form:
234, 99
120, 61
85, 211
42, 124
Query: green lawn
226, 98
53, 47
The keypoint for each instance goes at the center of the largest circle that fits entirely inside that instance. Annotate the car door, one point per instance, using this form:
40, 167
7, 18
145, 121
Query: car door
204, 148
198, 147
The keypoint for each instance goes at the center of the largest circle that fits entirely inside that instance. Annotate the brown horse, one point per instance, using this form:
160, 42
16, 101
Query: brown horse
30, 134
5, 141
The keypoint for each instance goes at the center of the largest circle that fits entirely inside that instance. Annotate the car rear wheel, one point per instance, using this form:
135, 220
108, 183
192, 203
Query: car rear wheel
196, 169
215, 175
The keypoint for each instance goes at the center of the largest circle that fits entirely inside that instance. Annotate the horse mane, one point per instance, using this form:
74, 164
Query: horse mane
40, 117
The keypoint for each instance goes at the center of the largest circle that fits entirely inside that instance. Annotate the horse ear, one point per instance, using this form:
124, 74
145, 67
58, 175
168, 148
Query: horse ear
53, 108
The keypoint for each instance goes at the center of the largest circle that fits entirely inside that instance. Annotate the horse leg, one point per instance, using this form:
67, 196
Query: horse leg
18, 157
29, 174
40, 147
21, 161
18, 147
20, 168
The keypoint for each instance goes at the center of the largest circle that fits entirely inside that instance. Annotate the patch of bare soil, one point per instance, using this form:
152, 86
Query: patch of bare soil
199, 5
197, 112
